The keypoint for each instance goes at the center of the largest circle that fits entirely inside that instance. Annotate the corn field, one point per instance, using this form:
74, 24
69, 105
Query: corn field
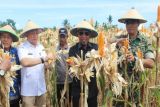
110, 82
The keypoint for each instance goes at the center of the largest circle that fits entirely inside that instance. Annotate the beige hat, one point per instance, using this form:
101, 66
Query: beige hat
84, 25
10, 30
30, 26
132, 14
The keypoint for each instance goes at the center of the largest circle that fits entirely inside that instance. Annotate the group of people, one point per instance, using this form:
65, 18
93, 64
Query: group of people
30, 82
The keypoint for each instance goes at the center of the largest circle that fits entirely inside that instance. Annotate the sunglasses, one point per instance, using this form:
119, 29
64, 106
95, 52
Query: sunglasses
84, 33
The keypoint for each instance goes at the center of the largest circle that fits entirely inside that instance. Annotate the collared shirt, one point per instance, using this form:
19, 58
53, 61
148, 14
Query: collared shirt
92, 86
61, 65
32, 78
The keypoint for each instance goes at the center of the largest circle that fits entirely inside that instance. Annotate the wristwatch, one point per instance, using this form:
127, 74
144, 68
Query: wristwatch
42, 60
2, 72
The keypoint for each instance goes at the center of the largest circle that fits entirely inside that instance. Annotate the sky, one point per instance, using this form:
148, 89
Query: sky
50, 13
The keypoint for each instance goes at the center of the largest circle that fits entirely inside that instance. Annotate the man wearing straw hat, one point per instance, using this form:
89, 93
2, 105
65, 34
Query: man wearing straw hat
84, 31
7, 36
137, 43
32, 57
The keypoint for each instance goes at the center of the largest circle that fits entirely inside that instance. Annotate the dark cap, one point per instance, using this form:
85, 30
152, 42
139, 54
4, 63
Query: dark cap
63, 31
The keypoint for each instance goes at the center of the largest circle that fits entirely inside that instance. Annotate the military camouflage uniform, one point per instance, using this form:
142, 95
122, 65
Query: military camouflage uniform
145, 46
142, 43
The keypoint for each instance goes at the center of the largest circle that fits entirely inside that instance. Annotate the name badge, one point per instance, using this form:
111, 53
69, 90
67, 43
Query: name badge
30, 54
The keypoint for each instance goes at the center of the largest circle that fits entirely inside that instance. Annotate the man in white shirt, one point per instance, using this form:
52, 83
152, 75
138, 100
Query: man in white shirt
32, 57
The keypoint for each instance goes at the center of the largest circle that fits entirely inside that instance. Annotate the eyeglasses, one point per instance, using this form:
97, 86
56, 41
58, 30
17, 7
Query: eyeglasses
84, 33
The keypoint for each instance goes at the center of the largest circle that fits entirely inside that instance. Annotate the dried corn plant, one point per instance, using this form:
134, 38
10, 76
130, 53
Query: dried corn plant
105, 62
6, 81
49, 40
140, 87
113, 81
81, 69
139, 62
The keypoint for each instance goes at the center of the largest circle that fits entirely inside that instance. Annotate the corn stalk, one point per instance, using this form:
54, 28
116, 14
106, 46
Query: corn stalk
7, 81
48, 39
65, 103
82, 104
157, 46
126, 89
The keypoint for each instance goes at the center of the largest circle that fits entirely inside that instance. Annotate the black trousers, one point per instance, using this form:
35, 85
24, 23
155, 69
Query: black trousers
60, 88
92, 102
14, 103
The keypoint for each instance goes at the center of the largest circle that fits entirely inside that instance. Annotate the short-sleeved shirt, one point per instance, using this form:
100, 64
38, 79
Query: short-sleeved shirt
32, 78
142, 43
92, 86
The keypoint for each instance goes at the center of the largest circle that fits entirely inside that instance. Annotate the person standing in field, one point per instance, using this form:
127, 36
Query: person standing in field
61, 65
7, 36
138, 42
84, 31
33, 58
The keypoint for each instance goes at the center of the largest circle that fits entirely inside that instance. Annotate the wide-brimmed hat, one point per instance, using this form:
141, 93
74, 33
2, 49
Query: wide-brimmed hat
84, 25
30, 26
132, 14
9, 29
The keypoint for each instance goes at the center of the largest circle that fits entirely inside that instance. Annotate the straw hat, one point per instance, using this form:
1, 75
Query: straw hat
10, 30
84, 25
28, 27
132, 14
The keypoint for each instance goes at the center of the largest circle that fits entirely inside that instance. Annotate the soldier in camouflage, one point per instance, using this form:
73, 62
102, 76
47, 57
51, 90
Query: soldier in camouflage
137, 41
